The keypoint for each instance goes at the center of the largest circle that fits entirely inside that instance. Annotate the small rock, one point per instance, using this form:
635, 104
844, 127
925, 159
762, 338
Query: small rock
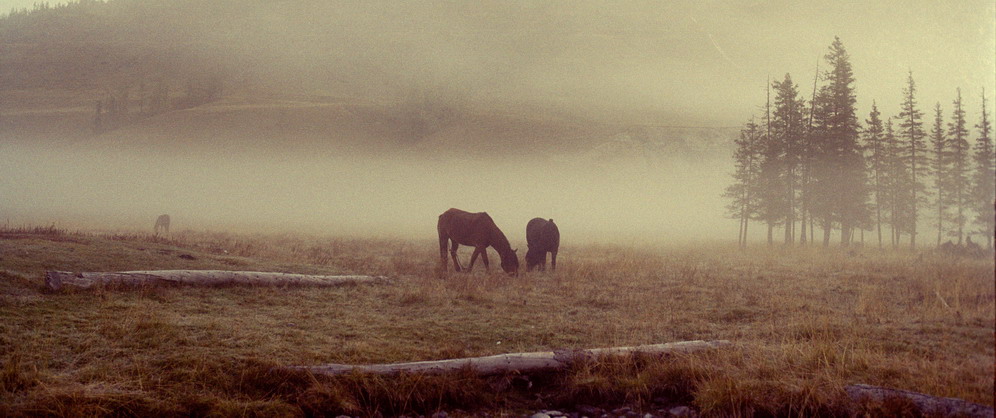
554, 413
621, 411
589, 410
539, 415
682, 411
648, 415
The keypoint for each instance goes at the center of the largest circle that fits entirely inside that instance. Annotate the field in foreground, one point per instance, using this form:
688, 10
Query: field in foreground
805, 323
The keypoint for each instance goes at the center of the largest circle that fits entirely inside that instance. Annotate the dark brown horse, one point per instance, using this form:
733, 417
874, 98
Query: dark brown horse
477, 230
542, 236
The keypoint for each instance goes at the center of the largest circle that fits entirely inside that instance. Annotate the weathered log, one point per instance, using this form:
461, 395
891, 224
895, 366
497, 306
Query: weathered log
928, 405
513, 362
58, 280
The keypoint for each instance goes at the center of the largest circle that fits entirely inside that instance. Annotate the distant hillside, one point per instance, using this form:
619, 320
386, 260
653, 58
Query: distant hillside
97, 44
186, 75
304, 124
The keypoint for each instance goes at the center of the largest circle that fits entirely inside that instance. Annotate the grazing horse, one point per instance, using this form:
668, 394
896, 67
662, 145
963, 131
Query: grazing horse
542, 236
162, 223
479, 231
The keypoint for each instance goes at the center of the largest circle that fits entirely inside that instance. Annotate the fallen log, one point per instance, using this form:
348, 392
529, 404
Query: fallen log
928, 405
513, 362
59, 280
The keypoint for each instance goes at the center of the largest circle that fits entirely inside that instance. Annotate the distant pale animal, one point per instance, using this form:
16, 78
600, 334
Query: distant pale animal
162, 224
542, 236
477, 230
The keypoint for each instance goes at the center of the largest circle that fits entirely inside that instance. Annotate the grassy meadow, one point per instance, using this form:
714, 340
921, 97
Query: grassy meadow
804, 322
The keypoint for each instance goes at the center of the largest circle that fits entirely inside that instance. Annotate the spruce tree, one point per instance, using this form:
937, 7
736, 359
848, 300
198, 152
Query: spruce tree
840, 186
771, 196
875, 147
915, 155
984, 178
939, 166
957, 183
743, 192
896, 185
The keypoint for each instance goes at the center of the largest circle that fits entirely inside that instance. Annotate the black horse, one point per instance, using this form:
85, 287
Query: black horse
542, 236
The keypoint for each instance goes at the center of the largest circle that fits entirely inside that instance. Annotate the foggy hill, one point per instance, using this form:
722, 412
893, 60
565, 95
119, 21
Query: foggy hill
309, 76
340, 126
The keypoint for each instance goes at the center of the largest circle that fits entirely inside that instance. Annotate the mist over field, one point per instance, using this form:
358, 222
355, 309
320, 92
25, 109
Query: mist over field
328, 194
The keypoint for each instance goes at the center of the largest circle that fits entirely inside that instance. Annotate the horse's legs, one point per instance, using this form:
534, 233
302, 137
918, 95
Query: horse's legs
473, 258
443, 257
453, 253
484, 257
553, 259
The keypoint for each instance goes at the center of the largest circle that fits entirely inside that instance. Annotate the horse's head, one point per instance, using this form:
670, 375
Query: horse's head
534, 258
510, 263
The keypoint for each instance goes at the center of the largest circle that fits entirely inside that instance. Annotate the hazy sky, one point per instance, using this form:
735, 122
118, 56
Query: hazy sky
694, 62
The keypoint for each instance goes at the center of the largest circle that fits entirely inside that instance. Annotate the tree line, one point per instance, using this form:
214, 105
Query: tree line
812, 167
113, 109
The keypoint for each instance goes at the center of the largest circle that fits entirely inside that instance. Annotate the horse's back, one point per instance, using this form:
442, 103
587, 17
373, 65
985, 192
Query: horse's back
542, 234
465, 227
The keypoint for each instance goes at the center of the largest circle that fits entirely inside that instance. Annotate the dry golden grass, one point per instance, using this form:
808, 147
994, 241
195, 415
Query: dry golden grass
805, 323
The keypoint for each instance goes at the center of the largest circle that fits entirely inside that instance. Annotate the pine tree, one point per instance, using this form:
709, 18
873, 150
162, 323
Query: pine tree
957, 183
915, 155
896, 185
806, 192
940, 167
772, 202
787, 127
839, 174
985, 176
875, 147
743, 192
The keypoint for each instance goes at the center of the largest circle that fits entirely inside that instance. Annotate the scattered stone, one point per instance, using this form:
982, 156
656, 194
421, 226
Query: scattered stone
621, 411
648, 415
539, 415
554, 413
683, 412
589, 410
